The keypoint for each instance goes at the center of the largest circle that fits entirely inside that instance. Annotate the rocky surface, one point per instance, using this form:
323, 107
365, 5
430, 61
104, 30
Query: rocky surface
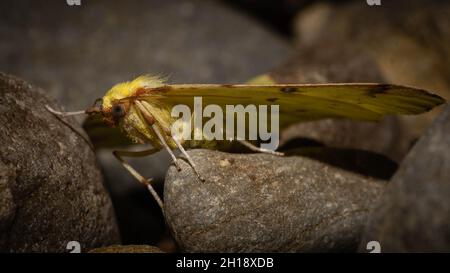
263, 203
127, 249
51, 189
414, 213
77, 53
402, 42
316, 199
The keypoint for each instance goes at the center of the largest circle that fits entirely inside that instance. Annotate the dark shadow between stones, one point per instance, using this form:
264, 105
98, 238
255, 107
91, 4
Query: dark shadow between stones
354, 160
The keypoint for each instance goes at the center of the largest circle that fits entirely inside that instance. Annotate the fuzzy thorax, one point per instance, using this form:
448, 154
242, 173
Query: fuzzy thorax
129, 89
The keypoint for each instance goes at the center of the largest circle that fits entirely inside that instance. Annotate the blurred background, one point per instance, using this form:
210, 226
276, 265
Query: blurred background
76, 53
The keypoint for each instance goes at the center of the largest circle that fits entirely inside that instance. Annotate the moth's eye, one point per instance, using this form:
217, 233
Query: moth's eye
118, 111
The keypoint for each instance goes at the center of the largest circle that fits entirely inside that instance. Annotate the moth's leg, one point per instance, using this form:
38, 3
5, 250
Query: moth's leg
133, 172
164, 143
259, 149
151, 121
191, 162
183, 151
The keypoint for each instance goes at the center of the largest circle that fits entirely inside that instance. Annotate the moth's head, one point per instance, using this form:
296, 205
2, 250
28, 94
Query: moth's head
116, 102
113, 113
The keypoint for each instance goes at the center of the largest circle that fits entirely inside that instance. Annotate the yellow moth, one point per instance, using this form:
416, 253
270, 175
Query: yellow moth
142, 108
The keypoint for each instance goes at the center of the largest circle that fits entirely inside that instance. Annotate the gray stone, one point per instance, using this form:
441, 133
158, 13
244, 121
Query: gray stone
50, 186
77, 53
264, 203
413, 214
127, 249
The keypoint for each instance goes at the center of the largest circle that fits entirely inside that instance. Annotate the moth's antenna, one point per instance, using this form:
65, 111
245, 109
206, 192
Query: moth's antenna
59, 116
64, 114
90, 110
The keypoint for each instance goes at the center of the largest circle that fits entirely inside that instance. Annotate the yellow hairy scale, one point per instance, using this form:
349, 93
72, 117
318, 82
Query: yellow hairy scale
128, 89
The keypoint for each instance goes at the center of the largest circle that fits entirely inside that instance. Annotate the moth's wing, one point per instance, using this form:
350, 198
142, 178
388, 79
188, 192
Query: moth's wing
297, 103
102, 135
